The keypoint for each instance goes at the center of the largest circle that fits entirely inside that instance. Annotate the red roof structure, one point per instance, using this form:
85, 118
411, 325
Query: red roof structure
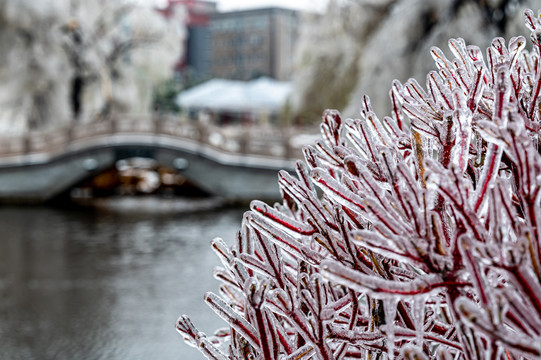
196, 16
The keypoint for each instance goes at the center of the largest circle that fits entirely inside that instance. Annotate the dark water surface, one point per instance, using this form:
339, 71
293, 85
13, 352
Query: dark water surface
100, 285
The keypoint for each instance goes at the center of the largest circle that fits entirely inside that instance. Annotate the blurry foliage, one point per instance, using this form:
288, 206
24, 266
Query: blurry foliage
164, 96
423, 238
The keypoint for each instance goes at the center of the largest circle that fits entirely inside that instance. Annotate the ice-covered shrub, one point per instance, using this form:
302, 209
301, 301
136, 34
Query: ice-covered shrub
424, 241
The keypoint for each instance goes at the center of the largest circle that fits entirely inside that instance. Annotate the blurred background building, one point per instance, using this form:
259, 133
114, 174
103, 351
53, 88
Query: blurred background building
252, 43
235, 45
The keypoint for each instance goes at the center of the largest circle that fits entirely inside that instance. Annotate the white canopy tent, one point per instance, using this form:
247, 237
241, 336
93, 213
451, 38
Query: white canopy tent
260, 97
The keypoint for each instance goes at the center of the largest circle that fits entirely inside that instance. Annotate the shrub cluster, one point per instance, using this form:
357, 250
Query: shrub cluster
415, 236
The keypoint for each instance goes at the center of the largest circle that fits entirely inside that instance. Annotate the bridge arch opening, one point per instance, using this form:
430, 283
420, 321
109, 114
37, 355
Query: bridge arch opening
134, 176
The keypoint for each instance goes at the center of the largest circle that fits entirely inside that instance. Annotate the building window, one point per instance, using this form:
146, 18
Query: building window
255, 40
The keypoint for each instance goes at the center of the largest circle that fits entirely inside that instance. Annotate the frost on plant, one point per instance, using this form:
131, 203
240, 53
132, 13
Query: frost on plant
424, 241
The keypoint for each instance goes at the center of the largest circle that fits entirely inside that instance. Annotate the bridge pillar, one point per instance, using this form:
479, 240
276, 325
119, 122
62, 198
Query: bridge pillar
41, 182
239, 183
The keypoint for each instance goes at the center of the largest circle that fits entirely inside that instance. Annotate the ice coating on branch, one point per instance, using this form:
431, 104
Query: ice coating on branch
410, 236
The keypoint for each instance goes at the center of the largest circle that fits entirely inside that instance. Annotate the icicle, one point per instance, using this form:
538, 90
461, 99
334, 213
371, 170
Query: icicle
488, 174
462, 127
389, 307
418, 314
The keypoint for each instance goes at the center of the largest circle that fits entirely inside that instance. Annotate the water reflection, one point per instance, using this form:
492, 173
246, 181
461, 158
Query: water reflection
102, 285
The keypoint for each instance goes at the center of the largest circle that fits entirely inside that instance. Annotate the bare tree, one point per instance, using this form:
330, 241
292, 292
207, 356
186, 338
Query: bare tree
99, 41
74, 59
32, 79
359, 47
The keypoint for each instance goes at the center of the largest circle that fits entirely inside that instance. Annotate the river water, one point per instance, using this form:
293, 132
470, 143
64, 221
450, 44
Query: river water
106, 284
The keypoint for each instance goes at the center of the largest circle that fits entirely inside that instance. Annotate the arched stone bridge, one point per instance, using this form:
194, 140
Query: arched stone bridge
235, 163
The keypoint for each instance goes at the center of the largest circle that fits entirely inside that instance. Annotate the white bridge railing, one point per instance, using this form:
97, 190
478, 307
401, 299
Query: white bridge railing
266, 141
